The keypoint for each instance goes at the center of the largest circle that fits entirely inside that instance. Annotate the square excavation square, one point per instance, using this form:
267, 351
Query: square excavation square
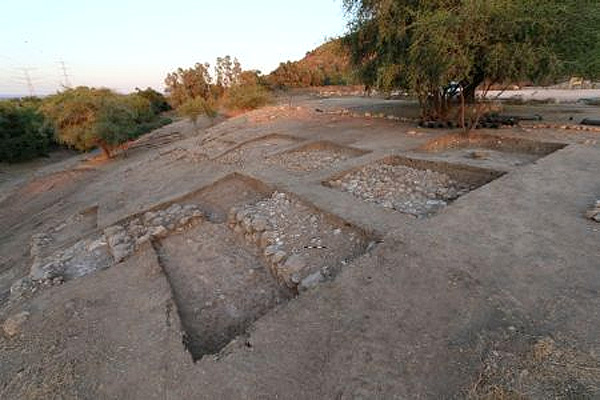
412, 186
257, 149
495, 150
314, 156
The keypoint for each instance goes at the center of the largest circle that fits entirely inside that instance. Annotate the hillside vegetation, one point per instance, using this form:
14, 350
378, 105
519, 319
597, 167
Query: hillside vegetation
328, 64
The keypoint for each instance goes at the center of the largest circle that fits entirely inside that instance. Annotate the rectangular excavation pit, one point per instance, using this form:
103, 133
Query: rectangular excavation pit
233, 190
314, 156
257, 149
220, 285
225, 276
412, 186
490, 150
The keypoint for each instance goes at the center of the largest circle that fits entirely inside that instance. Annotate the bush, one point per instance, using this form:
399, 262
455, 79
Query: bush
85, 118
158, 102
24, 132
246, 97
194, 108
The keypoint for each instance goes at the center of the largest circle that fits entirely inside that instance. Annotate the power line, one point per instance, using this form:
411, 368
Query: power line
66, 83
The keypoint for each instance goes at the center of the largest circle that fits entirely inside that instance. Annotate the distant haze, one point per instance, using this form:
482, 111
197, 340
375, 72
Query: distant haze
126, 44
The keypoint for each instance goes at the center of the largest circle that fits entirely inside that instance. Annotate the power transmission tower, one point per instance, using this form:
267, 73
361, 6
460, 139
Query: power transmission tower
27, 77
67, 83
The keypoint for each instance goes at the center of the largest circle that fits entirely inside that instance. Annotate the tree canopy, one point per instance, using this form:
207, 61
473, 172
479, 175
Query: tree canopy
24, 132
85, 117
424, 46
195, 91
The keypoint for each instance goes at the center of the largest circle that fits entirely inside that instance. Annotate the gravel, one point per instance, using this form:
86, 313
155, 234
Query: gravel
306, 161
298, 241
401, 188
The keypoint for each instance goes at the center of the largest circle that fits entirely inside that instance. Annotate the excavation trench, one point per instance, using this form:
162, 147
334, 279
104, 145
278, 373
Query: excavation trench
226, 275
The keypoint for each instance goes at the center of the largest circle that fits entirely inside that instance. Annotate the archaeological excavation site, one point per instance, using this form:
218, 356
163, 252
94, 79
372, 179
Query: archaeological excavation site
311, 250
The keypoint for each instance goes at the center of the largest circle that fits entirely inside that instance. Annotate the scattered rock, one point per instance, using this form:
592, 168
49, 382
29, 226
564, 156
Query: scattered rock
402, 188
159, 232
479, 155
594, 212
279, 257
309, 160
311, 281
21, 286
13, 325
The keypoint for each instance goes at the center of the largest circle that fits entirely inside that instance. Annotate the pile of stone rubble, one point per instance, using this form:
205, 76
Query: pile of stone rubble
398, 187
300, 246
101, 249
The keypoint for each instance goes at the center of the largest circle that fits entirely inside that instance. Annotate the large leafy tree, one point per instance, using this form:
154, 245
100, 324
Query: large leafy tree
187, 84
424, 46
85, 118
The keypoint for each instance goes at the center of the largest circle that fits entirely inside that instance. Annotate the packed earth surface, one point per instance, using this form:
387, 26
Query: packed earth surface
323, 248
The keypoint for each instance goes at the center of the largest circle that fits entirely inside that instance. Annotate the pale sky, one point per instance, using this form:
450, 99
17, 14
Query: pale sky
128, 43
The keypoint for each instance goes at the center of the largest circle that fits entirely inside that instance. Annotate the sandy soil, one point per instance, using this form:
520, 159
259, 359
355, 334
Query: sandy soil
493, 296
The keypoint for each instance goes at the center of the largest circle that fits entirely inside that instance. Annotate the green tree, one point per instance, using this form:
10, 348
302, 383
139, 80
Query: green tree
24, 132
194, 92
186, 84
158, 102
195, 108
85, 118
423, 46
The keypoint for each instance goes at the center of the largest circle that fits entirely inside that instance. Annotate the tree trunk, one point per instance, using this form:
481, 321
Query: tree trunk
470, 86
105, 150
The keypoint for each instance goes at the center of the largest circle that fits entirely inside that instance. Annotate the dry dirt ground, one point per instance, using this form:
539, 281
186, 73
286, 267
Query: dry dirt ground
296, 253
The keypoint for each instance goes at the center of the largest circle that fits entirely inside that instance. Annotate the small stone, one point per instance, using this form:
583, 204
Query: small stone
159, 232
157, 221
12, 326
270, 250
279, 257
114, 230
294, 264
479, 155
593, 214
247, 224
197, 214
149, 216
240, 215
259, 224
232, 215
267, 238
142, 239
121, 252
48, 270
174, 209
20, 287
184, 220
311, 281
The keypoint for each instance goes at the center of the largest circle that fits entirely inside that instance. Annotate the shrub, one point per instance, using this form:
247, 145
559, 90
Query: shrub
24, 132
194, 108
246, 97
158, 102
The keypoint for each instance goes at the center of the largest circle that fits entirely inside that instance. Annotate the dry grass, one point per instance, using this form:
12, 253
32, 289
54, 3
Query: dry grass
546, 370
